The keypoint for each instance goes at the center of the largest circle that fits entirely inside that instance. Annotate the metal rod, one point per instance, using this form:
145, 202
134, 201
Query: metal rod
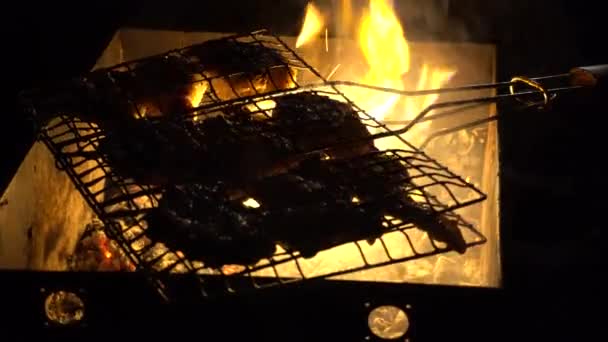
479, 100
431, 91
456, 129
422, 114
436, 116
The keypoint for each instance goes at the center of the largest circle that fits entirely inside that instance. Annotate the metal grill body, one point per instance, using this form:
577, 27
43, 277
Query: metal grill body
75, 121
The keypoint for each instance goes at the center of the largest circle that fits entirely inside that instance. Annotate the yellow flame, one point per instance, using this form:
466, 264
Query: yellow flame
430, 78
251, 203
262, 107
417, 196
384, 46
313, 24
196, 93
385, 49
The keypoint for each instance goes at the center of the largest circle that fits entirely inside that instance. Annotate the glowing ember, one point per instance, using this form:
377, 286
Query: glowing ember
313, 24
196, 95
251, 203
262, 107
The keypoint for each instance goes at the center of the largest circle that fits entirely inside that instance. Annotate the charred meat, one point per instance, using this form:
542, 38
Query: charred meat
163, 152
308, 215
236, 146
150, 152
382, 178
313, 121
194, 220
238, 69
310, 209
160, 86
331, 202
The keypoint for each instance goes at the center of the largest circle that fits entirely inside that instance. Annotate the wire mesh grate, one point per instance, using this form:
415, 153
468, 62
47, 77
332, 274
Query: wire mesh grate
219, 115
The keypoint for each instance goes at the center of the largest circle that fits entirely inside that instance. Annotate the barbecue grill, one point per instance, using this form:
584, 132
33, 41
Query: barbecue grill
73, 143
541, 95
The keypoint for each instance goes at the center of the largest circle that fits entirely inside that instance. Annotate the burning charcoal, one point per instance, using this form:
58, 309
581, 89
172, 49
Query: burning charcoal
196, 221
315, 121
96, 252
240, 69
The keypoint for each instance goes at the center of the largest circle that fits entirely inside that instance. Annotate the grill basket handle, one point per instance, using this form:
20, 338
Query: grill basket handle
589, 76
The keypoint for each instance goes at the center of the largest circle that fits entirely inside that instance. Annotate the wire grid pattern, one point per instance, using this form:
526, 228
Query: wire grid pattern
123, 202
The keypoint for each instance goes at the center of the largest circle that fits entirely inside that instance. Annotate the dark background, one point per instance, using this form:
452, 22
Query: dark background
552, 187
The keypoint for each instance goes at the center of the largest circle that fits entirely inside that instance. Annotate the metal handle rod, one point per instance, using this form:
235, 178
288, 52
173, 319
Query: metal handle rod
430, 91
421, 115
460, 127
435, 116
471, 124
479, 100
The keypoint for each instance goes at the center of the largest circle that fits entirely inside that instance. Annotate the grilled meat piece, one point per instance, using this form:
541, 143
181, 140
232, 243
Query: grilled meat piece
239, 69
194, 220
313, 121
331, 202
314, 214
159, 86
307, 210
381, 178
162, 152
150, 152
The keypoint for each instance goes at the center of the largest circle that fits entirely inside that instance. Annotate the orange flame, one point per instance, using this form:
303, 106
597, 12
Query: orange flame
313, 24
383, 43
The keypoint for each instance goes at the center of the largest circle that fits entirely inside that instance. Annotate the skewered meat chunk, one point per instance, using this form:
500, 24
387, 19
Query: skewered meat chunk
195, 221
314, 121
237, 69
